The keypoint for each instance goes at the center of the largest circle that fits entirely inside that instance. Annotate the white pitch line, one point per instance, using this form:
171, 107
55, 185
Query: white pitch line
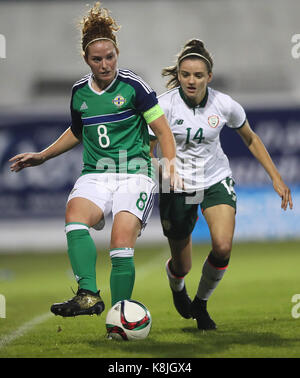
24, 328
28, 326
147, 268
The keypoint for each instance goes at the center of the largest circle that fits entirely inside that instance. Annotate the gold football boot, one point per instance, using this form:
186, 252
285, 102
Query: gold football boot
85, 302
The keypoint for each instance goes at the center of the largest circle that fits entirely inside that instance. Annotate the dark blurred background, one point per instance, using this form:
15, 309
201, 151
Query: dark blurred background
256, 48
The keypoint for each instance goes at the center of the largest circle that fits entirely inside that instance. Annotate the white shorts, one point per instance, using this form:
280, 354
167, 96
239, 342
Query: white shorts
113, 193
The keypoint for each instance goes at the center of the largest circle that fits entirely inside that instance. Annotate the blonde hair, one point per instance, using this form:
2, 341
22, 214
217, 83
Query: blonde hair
98, 25
193, 48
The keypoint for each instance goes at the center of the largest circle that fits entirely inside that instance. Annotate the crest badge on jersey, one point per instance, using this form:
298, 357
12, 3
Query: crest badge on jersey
119, 101
213, 121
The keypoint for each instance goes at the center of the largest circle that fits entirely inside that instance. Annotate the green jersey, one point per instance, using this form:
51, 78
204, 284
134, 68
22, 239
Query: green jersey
111, 124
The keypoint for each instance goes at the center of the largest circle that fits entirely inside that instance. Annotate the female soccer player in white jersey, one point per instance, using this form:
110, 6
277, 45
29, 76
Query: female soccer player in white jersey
197, 114
110, 109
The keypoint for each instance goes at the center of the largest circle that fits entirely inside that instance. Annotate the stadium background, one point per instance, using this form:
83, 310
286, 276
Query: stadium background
252, 49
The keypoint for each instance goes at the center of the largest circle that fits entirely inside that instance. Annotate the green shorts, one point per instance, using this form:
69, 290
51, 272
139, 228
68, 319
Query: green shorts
178, 213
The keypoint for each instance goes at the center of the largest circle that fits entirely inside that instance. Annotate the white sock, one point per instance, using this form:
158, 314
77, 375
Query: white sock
211, 276
176, 283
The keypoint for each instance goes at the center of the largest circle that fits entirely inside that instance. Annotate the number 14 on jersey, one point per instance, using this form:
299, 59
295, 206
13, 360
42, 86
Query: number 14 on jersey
198, 135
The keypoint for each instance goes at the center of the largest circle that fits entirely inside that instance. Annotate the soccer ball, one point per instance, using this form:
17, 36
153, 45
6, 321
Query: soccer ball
128, 320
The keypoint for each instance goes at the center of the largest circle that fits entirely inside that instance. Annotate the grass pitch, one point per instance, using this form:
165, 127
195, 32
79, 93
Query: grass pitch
252, 306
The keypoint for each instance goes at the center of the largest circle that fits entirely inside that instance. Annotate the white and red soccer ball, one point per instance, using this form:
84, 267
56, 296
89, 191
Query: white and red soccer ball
128, 320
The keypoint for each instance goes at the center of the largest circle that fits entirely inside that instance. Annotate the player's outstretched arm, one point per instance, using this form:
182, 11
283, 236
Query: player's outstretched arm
30, 159
165, 138
259, 151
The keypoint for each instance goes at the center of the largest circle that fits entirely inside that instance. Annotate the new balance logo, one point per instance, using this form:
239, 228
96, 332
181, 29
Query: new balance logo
179, 121
84, 106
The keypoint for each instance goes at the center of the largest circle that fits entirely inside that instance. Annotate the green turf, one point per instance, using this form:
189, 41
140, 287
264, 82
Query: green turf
252, 306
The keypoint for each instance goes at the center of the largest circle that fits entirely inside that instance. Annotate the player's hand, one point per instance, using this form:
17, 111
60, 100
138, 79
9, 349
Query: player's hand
284, 192
176, 182
170, 175
28, 159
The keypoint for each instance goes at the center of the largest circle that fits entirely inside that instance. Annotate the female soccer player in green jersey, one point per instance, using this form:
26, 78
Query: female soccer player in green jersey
197, 114
110, 110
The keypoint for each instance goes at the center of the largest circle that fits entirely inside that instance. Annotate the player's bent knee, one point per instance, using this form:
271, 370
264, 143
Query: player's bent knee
83, 211
75, 216
222, 249
123, 241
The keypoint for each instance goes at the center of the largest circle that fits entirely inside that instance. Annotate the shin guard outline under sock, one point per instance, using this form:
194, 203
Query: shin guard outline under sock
83, 255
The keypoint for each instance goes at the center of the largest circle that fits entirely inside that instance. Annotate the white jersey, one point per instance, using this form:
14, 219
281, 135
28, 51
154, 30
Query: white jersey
201, 161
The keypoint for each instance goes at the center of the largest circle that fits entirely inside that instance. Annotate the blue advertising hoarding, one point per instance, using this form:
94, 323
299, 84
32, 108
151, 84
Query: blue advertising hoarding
41, 192
259, 214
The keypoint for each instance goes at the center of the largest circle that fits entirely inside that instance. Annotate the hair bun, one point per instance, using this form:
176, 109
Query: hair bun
194, 43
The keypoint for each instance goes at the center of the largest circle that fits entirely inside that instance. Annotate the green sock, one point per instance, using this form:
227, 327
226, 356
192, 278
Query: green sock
121, 278
83, 255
